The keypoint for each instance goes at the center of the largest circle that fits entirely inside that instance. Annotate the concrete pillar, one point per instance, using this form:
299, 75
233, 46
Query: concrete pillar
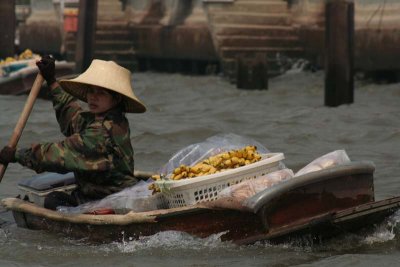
252, 72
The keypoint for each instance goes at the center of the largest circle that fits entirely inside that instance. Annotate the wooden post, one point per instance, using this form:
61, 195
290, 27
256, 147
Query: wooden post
339, 53
86, 34
251, 72
7, 29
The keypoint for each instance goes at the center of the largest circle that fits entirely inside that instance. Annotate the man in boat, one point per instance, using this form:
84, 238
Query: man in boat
97, 147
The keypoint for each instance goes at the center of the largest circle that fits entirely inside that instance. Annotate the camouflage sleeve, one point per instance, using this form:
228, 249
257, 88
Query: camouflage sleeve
78, 152
67, 111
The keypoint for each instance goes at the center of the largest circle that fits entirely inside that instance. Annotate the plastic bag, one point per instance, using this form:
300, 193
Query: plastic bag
137, 198
249, 188
233, 197
329, 160
214, 145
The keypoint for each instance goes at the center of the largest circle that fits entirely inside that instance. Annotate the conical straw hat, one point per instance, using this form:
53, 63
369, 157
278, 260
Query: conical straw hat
109, 75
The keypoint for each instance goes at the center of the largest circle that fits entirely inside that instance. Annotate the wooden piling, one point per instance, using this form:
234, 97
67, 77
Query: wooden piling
7, 29
86, 34
339, 53
251, 71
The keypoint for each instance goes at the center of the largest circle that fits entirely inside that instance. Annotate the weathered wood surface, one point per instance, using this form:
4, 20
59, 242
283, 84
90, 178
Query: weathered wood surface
330, 224
339, 53
239, 227
198, 221
7, 29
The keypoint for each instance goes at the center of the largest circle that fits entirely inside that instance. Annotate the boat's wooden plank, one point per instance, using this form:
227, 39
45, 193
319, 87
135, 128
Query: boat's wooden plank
321, 204
331, 175
332, 223
382, 205
19, 205
23, 206
143, 174
195, 221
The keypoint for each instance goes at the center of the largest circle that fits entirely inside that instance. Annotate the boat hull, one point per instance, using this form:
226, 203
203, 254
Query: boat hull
320, 205
21, 82
200, 222
241, 228
331, 224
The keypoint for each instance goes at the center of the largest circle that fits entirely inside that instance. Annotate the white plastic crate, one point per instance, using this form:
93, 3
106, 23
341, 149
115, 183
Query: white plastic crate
35, 189
206, 188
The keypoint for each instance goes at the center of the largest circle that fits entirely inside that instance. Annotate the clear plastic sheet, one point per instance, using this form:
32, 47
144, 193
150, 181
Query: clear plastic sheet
233, 197
214, 145
249, 188
137, 198
337, 157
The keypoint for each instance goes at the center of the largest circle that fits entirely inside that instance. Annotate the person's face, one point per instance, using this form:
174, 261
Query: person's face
100, 100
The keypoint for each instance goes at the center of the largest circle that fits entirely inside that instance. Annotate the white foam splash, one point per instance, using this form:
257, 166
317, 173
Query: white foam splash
180, 241
171, 240
386, 231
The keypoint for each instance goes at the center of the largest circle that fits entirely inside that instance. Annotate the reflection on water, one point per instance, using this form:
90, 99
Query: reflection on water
289, 117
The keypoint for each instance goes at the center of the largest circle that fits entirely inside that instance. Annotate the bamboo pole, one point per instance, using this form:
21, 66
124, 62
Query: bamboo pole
23, 118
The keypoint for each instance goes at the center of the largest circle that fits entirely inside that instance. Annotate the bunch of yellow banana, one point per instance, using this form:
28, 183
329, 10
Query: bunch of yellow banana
27, 54
7, 60
153, 186
218, 163
214, 164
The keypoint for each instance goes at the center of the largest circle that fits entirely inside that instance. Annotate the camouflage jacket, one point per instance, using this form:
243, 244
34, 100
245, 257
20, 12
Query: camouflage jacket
99, 152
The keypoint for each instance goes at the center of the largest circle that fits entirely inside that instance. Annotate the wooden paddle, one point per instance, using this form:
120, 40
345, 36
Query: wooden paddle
23, 117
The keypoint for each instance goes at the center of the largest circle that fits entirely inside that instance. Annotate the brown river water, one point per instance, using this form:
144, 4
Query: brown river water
289, 117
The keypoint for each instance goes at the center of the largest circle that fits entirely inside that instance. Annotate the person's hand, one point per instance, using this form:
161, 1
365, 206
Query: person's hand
7, 155
47, 68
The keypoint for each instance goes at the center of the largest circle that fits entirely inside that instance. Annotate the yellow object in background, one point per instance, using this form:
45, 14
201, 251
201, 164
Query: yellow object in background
27, 54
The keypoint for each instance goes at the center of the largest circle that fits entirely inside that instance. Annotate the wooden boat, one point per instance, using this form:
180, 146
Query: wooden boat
320, 204
20, 81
